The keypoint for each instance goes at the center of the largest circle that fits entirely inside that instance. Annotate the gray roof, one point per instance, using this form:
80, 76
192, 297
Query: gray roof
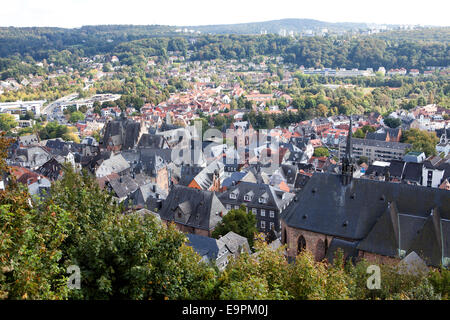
127, 184
188, 174
34, 156
275, 199
204, 246
235, 242
348, 248
122, 132
366, 210
152, 141
116, 163
382, 144
205, 178
27, 140
192, 207
234, 178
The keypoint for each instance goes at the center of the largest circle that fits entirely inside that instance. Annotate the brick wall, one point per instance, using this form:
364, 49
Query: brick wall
376, 258
316, 243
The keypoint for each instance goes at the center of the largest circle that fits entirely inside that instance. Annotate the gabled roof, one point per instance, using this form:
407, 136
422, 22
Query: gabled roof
348, 248
351, 211
152, 141
428, 244
384, 238
204, 246
413, 172
234, 242
273, 196
199, 209
396, 168
52, 169
289, 172
205, 178
116, 163
384, 216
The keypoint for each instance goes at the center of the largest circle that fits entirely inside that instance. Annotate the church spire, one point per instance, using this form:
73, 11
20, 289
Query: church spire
347, 160
349, 146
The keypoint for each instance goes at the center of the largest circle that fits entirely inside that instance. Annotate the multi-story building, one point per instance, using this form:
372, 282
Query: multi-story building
264, 201
375, 149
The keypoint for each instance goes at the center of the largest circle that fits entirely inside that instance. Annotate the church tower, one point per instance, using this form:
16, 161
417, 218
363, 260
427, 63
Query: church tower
348, 168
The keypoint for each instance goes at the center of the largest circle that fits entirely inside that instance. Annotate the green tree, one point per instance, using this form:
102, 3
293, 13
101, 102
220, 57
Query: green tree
392, 122
359, 134
321, 152
422, 141
76, 116
30, 243
7, 122
239, 221
125, 256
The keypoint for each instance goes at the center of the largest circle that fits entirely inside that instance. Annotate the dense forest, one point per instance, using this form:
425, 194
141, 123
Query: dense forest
274, 26
127, 42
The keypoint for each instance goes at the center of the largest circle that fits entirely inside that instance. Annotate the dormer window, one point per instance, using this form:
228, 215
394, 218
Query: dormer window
232, 195
262, 200
247, 197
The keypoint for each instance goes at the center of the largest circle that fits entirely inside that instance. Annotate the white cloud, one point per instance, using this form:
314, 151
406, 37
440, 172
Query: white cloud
75, 13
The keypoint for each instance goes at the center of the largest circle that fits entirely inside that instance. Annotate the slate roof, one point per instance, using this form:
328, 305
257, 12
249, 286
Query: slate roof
376, 170
33, 156
383, 144
380, 136
152, 141
52, 169
289, 172
348, 248
301, 181
122, 132
275, 199
127, 184
235, 242
210, 247
123, 186
57, 143
396, 168
205, 178
365, 211
188, 173
413, 172
204, 246
28, 140
198, 208
234, 178
116, 163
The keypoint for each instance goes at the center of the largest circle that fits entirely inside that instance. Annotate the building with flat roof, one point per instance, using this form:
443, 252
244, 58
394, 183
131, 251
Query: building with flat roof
375, 149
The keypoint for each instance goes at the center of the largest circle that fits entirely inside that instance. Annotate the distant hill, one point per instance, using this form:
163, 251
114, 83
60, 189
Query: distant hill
275, 26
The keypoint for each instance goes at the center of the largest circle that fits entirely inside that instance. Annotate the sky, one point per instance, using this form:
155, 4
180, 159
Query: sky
76, 13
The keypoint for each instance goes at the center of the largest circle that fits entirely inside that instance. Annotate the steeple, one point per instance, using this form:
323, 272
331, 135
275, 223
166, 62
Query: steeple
347, 161
348, 150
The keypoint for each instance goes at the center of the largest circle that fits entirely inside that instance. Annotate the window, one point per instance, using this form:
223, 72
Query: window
263, 225
272, 214
263, 213
232, 196
228, 206
236, 207
271, 225
254, 211
262, 200
247, 198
